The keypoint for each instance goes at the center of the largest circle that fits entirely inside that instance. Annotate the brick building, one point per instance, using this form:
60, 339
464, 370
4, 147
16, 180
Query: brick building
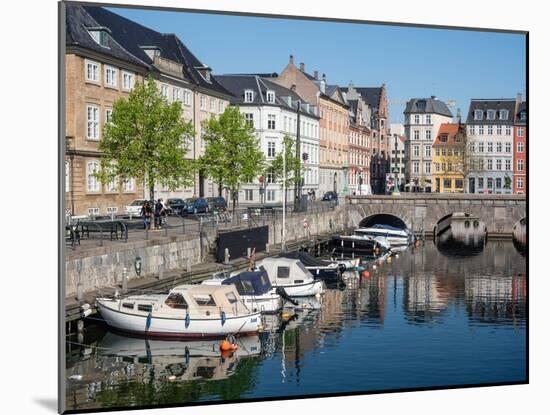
520, 148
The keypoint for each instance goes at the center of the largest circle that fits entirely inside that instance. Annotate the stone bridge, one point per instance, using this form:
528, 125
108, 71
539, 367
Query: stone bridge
423, 210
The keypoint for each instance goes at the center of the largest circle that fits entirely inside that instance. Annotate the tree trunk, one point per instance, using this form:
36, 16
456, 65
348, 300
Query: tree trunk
220, 187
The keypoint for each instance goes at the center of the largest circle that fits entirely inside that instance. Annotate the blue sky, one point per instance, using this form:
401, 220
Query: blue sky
412, 62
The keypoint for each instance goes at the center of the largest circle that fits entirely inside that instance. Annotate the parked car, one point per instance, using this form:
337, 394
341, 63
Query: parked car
196, 205
330, 196
175, 206
216, 203
134, 208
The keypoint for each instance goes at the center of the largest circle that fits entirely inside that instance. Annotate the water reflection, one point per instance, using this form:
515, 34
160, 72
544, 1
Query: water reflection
386, 329
461, 236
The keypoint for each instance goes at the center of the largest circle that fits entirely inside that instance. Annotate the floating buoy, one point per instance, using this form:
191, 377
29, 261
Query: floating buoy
365, 274
226, 346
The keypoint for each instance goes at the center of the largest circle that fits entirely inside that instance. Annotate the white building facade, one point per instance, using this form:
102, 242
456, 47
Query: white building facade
273, 112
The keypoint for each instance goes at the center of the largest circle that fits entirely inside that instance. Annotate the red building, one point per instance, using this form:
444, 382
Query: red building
520, 149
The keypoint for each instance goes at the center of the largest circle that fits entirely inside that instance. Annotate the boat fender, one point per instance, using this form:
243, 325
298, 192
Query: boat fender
365, 274
223, 317
148, 322
86, 313
187, 355
85, 307
226, 346
187, 320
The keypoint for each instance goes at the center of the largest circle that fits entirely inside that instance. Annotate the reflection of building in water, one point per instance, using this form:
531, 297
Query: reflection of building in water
424, 297
496, 299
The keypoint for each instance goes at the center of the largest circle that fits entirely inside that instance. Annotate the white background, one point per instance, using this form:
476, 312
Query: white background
28, 166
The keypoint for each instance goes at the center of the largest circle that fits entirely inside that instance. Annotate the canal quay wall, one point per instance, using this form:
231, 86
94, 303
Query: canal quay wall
95, 267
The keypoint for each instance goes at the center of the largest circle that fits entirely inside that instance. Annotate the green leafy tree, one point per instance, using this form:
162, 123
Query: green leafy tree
232, 154
147, 139
285, 165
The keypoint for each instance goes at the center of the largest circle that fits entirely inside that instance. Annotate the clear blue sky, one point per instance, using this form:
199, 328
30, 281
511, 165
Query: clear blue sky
413, 62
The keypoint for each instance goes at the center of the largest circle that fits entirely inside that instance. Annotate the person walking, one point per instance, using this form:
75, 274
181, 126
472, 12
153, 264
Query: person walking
158, 212
146, 212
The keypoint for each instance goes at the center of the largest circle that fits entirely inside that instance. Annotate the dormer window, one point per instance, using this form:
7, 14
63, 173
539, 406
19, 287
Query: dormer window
523, 115
478, 115
491, 114
100, 35
248, 95
503, 114
443, 138
270, 97
151, 51
205, 72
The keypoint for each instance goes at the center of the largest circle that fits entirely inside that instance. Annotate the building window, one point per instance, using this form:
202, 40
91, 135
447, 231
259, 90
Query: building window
270, 195
416, 134
520, 147
436, 165
92, 121
508, 164
480, 182
93, 182
220, 106
490, 130
248, 195
427, 151
112, 209
490, 147
503, 114
212, 104
498, 183
478, 115
437, 152
472, 148
128, 185
417, 119
447, 183
93, 211
416, 151
520, 131
490, 183
248, 95
271, 121
508, 130
108, 115
92, 71
270, 149
416, 167
459, 184
176, 94
164, 90
187, 97
472, 129
481, 129
499, 164
499, 129
491, 114
428, 134
270, 176
519, 182
110, 76
520, 165
489, 164
428, 118
249, 118
427, 167
481, 146
127, 80
523, 115
203, 102
508, 147
112, 186
270, 97
499, 147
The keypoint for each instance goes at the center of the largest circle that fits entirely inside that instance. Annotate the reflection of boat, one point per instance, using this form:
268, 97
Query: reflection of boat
347, 246
320, 268
180, 360
392, 235
186, 311
291, 275
254, 288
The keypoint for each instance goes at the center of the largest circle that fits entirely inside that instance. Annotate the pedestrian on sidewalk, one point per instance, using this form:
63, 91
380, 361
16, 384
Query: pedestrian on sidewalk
146, 212
159, 208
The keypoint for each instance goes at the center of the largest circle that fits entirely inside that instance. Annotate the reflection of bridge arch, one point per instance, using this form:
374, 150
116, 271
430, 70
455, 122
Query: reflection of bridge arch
519, 232
383, 219
460, 234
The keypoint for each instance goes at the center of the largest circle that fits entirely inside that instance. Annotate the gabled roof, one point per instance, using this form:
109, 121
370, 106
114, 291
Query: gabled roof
492, 104
371, 95
237, 84
129, 38
427, 106
451, 130
522, 106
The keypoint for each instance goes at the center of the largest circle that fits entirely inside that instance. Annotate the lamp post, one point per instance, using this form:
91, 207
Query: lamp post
395, 171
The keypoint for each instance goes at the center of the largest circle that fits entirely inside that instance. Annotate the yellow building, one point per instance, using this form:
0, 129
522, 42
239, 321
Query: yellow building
448, 158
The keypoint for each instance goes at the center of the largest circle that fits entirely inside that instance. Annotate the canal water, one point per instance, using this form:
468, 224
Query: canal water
431, 316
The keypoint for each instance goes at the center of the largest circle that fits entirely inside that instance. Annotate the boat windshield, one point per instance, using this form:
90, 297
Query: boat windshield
204, 300
176, 300
231, 298
302, 267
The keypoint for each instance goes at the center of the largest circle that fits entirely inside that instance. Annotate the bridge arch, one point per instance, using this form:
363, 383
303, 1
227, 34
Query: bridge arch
383, 219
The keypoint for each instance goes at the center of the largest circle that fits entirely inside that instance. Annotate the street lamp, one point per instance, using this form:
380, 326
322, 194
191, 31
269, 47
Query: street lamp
395, 171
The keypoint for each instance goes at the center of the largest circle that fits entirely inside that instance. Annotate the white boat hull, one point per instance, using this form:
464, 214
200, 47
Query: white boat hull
268, 303
304, 290
158, 325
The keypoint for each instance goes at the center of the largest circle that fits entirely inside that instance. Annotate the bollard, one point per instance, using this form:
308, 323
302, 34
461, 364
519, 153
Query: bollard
226, 256
79, 292
248, 252
124, 280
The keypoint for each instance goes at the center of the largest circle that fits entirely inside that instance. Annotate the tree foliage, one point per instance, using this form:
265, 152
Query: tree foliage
285, 165
147, 139
232, 154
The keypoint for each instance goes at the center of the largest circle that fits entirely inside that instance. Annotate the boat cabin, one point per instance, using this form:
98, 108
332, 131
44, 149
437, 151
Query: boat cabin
254, 283
285, 271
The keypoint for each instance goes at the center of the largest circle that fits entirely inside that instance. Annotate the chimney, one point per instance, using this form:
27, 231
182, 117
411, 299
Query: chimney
291, 59
316, 74
324, 78
302, 67
519, 98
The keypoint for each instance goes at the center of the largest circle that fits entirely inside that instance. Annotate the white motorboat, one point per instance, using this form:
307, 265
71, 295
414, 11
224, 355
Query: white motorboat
186, 311
392, 235
254, 288
291, 275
